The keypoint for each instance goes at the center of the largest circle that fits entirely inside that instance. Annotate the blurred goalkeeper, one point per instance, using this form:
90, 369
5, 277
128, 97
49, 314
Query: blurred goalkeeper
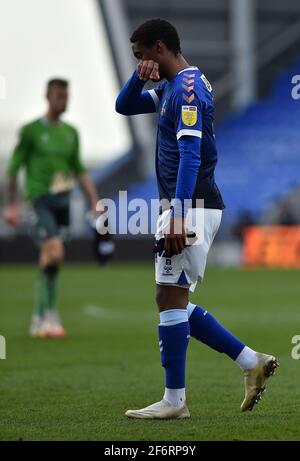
48, 149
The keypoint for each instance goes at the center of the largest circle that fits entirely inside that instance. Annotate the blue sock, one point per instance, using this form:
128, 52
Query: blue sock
208, 330
174, 334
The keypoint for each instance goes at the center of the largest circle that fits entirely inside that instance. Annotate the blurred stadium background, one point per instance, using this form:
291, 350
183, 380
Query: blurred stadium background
250, 51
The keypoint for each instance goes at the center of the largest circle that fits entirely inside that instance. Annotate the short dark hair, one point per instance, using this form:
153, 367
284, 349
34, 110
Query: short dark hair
57, 82
157, 29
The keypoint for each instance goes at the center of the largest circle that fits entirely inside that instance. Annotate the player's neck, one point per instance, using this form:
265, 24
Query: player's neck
52, 117
175, 66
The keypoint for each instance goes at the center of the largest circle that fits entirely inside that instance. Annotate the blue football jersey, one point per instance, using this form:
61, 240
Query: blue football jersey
185, 111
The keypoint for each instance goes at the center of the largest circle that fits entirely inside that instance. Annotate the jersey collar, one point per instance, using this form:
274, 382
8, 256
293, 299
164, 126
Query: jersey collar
187, 68
44, 121
183, 70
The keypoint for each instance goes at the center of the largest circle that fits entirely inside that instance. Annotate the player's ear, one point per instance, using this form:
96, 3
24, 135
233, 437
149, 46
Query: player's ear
159, 46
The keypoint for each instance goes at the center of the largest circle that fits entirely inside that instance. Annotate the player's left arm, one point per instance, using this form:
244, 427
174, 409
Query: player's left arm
188, 124
89, 190
83, 178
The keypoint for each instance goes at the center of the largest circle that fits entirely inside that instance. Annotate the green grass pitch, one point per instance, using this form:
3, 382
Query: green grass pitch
79, 388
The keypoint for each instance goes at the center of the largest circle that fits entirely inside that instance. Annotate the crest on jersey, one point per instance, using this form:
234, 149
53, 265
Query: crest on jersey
189, 115
45, 137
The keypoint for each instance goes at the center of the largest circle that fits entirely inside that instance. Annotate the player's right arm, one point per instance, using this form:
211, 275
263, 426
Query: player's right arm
11, 210
132, 100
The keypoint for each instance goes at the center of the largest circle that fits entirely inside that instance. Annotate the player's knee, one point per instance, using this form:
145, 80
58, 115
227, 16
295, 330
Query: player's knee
171, 297
56, 256
163, 298
159, 297
54, 253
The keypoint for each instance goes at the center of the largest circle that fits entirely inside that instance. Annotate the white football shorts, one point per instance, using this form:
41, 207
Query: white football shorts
187, 268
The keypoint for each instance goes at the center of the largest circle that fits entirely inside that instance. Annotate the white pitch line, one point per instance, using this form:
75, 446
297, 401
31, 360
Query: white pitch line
91, 310
281, 318
99, 312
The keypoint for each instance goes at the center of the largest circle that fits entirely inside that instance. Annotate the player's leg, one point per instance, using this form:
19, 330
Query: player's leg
205, 328
43, 226
173, 332
256, 366
37, 328
51, 258
46, 234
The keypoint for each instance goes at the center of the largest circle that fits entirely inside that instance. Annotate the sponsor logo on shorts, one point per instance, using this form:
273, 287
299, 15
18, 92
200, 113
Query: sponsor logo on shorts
168, 268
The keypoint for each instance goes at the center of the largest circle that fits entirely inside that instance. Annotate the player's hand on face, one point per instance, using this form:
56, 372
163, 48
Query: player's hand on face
148, 69
175, 237
12, 214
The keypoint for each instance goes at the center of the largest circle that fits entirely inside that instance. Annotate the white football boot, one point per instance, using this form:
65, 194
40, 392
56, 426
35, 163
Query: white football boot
53, 324
160, 410
38, 329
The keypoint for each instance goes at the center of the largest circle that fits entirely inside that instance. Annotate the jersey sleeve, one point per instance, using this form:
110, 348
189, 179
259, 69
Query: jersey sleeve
132, 100
77, 165
20, 153
187, 118
156, 94
187, 112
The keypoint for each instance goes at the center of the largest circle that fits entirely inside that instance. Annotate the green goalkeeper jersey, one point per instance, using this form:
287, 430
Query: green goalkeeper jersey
50, 155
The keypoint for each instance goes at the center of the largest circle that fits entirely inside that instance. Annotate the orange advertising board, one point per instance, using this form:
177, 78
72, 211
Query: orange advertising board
272, 246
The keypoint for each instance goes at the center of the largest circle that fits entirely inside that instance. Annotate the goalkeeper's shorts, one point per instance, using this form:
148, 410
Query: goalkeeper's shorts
50, 217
